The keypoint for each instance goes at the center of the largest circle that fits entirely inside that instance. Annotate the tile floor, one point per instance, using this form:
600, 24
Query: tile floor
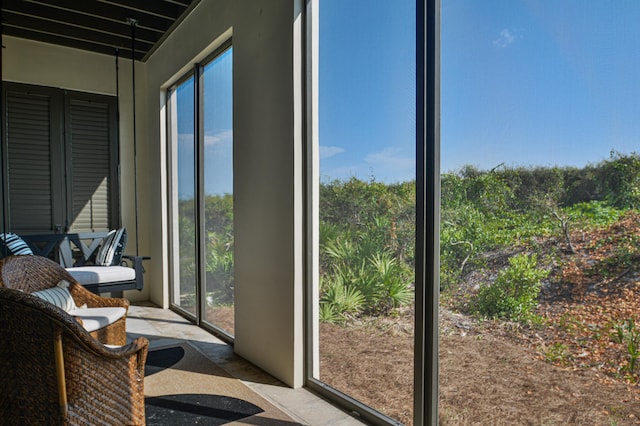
161, 326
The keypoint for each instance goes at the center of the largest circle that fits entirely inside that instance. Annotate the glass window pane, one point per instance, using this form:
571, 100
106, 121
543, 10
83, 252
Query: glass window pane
540, 197
184, 226
217, 113
367, 201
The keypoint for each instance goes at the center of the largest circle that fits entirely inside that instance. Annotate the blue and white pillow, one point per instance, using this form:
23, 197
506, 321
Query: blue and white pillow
12, 244
58, 296
112, 249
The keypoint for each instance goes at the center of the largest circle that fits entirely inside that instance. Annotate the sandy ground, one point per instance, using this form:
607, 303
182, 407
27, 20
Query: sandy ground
485, 379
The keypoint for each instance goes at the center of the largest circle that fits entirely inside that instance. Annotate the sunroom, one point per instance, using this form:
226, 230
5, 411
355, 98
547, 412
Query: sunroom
253, 63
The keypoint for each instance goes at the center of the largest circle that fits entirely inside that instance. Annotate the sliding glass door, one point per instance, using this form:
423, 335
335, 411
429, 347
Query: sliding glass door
201, 145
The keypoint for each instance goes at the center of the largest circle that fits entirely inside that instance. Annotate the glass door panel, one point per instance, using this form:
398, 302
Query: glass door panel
367, 204
181, 113
217, 110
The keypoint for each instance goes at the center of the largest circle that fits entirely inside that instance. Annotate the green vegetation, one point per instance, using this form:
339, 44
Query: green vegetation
218, 250
367, 235
367, 228
628, 335
514, 293
484, 211
366, 248
556, 352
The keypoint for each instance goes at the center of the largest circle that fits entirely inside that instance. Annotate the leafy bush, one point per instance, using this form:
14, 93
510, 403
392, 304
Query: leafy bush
367, 244
621, 176
393, 282
598, 213
219, 269
514, 293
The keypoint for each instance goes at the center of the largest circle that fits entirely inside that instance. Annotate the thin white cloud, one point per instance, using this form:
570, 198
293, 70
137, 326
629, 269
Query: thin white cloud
391, 165
223, 137
329, 151
185, 139
507, 37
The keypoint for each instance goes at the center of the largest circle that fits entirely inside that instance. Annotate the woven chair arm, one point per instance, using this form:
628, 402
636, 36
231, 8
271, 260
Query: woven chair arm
137, 349
82, 296
132, 348
74, 328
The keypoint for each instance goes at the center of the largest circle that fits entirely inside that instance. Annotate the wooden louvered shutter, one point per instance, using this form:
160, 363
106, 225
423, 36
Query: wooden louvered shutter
61, 170
90, 140
35, 179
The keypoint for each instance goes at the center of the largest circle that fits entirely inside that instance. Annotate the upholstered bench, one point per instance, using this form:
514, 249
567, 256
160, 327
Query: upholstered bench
91, 276
94, 259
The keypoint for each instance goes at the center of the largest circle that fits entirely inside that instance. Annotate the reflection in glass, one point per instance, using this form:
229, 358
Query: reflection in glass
184, 256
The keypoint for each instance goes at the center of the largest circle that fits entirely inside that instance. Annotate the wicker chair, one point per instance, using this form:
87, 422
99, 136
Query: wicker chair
34, 273
54, 373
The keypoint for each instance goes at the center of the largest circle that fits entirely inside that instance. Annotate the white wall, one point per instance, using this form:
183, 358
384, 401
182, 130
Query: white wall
30, 62
267, 170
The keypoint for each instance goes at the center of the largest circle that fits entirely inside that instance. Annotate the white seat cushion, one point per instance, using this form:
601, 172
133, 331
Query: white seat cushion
102, 274
95, 318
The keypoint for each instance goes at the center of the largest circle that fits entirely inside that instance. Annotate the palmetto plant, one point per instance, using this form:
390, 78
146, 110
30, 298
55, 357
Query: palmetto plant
361, 275
339, 300
394, 286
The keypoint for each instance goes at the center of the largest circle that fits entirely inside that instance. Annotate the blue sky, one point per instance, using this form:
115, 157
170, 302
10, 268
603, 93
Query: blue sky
367, 89
545, 82
523, 82
218, 129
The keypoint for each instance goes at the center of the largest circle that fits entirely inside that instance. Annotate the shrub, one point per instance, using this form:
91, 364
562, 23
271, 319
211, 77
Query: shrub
597, 213
219, 268
514, 293
621, 177
338, 300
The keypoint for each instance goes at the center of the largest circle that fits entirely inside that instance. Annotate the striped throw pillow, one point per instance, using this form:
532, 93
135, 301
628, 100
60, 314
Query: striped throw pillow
58, 296
112, 248
12, 244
